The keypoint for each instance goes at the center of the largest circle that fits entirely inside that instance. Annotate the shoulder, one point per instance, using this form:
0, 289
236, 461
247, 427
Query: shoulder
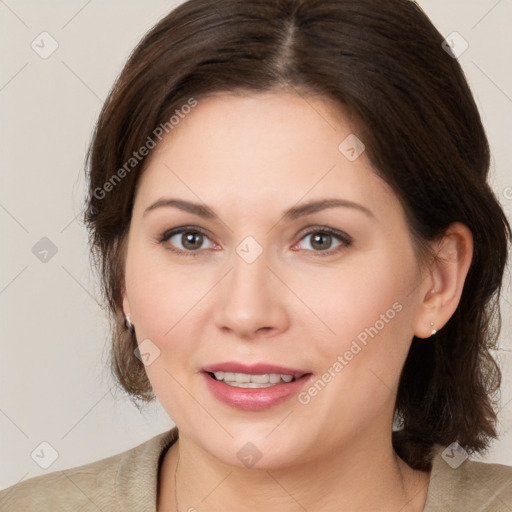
460, 484
107, 484
63, 490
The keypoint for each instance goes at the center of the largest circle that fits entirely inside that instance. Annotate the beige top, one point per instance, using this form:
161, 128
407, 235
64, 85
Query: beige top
127, 482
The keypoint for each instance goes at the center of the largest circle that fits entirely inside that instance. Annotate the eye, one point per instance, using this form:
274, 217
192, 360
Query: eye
187, 241
321, 240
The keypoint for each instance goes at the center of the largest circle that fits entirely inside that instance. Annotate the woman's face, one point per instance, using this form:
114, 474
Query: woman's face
329, 295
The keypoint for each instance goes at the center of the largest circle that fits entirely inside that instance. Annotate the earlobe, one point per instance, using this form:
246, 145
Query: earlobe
126, 311
442, 291
126, 305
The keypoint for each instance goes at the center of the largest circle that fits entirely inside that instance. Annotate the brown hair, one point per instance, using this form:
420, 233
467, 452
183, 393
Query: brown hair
384, 63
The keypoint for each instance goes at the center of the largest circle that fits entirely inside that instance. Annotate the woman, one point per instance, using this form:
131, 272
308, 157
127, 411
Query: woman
289, 207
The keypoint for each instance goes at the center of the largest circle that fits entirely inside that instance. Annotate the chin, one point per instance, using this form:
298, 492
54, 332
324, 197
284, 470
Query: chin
253, 448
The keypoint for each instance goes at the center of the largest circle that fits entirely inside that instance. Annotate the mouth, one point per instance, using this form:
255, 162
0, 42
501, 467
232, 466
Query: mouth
253, 376
254, 387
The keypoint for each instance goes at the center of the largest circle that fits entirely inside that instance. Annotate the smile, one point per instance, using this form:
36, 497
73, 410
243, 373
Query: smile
253, 387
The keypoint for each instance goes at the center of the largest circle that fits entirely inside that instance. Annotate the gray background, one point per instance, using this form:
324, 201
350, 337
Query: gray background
54, 385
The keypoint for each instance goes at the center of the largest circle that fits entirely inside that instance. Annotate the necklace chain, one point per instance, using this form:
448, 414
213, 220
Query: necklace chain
175, 488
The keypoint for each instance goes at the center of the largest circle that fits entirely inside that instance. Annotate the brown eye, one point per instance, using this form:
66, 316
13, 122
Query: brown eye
191, 240
185, 240
322, 240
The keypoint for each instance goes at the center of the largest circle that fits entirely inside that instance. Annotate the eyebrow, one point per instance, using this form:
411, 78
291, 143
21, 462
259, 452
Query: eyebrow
291, 214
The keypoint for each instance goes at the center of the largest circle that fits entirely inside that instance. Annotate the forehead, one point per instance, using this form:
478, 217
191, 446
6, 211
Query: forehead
260, 149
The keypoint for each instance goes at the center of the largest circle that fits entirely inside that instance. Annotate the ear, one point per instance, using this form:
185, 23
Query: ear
440, 293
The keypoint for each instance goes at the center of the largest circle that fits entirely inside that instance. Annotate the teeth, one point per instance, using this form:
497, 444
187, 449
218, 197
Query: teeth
248, 385
260, 379
244, 380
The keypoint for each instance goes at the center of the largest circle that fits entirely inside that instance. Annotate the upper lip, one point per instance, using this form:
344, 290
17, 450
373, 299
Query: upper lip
253, 369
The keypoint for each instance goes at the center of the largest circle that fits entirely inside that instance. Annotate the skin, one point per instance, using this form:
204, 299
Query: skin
249, 158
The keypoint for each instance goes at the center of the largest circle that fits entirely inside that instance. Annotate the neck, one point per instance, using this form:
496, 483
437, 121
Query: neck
359, 478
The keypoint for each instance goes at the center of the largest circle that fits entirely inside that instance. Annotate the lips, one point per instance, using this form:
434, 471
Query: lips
259, 398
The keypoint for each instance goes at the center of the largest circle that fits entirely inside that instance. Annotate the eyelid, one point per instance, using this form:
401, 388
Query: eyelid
318, 228
174, 231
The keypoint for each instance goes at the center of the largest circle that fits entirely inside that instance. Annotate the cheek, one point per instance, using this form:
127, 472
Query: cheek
361, 362
165, 301
161, 294
369, 310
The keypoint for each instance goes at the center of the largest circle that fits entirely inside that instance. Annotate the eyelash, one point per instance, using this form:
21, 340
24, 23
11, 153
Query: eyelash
342, 237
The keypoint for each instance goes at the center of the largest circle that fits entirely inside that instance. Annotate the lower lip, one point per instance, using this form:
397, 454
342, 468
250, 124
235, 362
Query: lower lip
254, 399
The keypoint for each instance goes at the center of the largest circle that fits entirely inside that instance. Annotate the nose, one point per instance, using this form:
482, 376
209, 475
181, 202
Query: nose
250, 301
